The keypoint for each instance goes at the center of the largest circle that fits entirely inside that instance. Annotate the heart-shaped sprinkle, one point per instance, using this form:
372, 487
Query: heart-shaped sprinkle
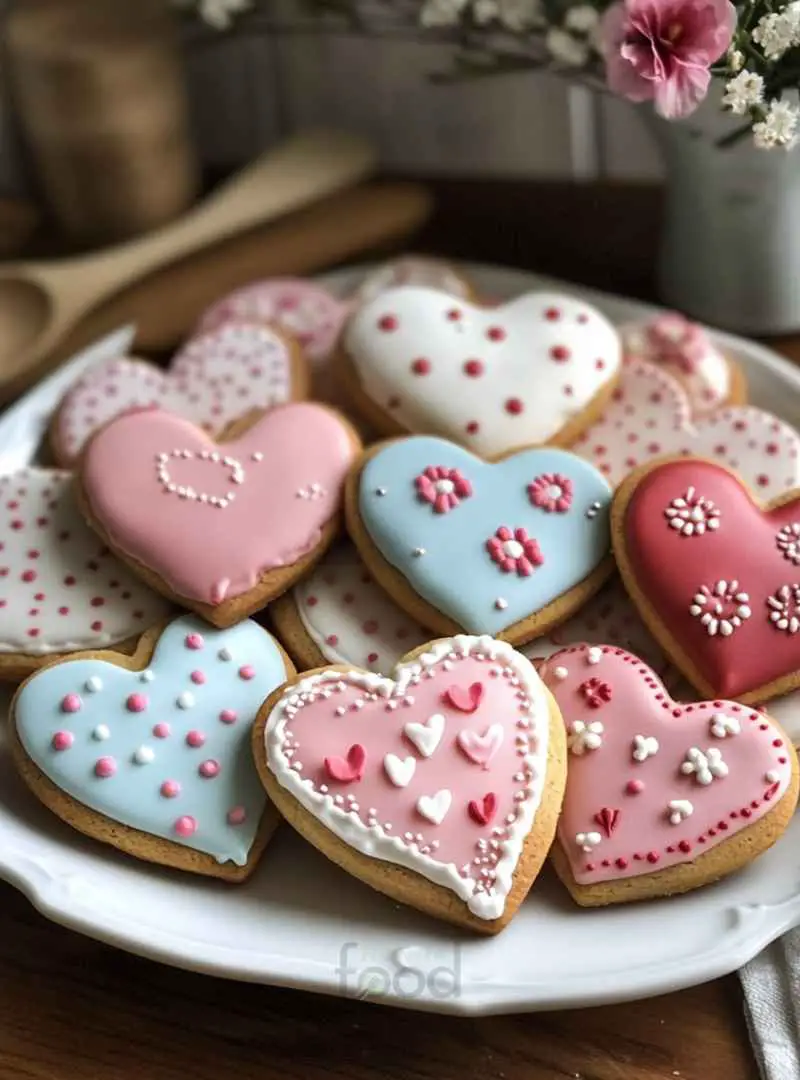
481, 748
465, 698
423, 817
348, 768
694, 789
148, 783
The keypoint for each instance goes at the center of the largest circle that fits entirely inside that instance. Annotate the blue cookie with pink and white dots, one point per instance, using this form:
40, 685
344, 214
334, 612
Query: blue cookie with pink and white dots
151, 753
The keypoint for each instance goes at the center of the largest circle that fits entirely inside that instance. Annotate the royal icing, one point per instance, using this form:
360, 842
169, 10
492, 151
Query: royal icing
425, 805
216, 378
494, 554
490, 378
688, 353
411, 270
60, 587
209, 519
681, 792
725, 597
184, 775
350, 618
307, 311
650, 415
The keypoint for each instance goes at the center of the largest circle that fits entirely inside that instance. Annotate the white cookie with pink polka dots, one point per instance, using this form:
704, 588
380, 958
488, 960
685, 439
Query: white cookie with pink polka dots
491, 379
61, 589
345, 617
216, 377
650, 415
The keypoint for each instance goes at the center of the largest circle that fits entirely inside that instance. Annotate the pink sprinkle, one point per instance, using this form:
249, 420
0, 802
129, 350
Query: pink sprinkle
71, 703
209, 769
185, 826
62, 740
161, 731
195, 739
105, 767
228, 716
136, 703
194, 641
170, 788
247, 672
198, 678
237, 815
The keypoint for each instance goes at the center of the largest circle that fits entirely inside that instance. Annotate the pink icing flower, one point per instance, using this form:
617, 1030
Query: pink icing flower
675, 340
661, 50
514, 550
551, 491
443, 488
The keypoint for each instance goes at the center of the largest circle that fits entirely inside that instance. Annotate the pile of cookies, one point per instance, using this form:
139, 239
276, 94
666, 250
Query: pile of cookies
557, 534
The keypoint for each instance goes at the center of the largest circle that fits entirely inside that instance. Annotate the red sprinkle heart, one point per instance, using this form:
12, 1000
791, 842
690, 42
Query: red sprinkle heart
465, 700
607, 819
349, 768
482, 812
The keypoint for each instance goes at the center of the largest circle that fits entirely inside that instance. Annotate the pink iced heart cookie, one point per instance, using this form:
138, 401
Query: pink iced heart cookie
535, 370
218, 376
61, 589
661, 797
449, 810
221, 527
649, 415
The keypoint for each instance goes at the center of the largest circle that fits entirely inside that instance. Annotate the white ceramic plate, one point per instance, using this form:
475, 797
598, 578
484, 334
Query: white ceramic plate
301, 922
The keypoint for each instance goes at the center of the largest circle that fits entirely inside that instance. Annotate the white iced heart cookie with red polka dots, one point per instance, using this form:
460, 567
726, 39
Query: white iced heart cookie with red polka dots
340, 615
61, 589
661, 797
535, 370
439, 787
151, 753
649, 415
218, 376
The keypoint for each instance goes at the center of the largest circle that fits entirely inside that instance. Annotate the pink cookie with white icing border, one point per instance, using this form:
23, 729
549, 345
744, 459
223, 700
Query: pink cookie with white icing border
439, 787
222, 528
649, 415
218, 376
662, 797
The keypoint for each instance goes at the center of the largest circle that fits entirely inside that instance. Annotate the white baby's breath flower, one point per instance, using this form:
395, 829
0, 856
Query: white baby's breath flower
485, 11
216, 13
441, 12
582, 19
778, 31
778, 128
743, 92
735, 59
520, 15
566, 48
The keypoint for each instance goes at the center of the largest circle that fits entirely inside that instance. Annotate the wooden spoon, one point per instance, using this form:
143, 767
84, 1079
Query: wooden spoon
41, 302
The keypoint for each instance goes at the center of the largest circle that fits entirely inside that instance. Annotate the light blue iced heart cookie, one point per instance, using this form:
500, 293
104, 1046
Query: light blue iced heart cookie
157, 760
489, 548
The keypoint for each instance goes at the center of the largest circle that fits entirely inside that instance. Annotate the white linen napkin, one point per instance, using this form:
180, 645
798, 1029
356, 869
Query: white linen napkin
771, 983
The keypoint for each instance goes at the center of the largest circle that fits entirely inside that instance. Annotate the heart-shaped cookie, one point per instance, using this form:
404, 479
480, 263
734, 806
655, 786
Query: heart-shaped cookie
217, 377
715, 576
508, 549
535, 370
151, 753
649, 416
61, 589
223, 528
340, 615
662, 797
449, 811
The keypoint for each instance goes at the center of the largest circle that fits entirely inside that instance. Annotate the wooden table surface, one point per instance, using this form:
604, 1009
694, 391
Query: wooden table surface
71, 1009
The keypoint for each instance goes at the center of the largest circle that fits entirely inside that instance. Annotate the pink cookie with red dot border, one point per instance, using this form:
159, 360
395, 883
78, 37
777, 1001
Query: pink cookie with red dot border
649, 415
439, 787
61, 589
535, 370
662, 796
218, 376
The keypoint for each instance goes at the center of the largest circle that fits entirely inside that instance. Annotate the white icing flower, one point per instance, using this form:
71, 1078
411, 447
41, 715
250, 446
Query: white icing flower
692, 515
723, 725
583, 737
644, 746
784, 608
721, 607
788, 541
679, 810
743, 92
704, 766
587, 841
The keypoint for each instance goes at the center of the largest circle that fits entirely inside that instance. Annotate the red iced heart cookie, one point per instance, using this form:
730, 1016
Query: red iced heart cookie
715, 576
661, 797
218, 376
223, 528
447, 812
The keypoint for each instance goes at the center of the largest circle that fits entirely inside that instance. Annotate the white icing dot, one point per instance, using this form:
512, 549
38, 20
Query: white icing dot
185, 700
101, 732
380, 491
418, 552
144, 755
594, 655
93, 684
146, 676
560, 673
225, 654
772, 776
500, 603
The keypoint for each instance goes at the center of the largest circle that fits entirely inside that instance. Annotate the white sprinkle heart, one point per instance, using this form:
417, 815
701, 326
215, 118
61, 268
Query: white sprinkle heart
723, 725
399, 770
435, 807
426, 737
679, 810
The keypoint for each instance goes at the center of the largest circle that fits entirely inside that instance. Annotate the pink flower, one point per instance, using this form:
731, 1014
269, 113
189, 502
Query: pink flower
660, 50
443, 488
514, 550
551, 491
675, 340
